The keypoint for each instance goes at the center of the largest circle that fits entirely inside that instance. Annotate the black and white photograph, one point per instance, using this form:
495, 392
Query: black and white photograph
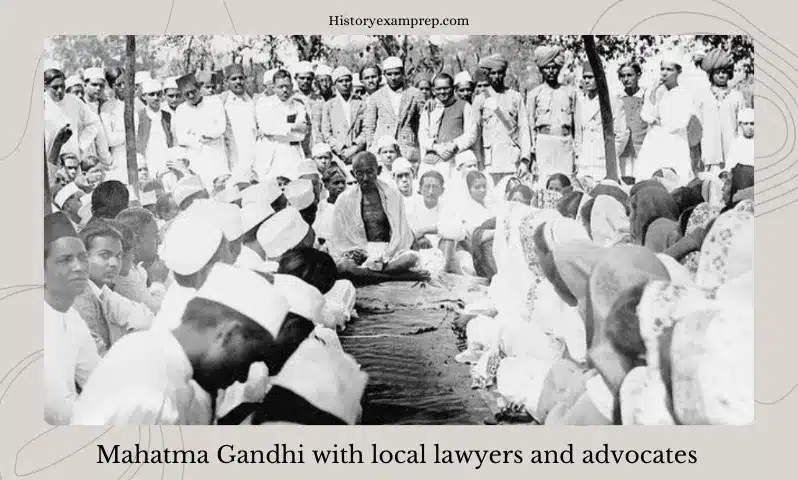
399, 230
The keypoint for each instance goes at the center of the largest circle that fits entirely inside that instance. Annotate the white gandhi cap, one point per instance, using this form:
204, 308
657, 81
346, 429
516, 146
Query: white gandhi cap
300, 193
141, 77
228, 217
392, 62
151, 86
94, 73
303, 299
192, 240
327, 378
65, 194
248, 293
282, 232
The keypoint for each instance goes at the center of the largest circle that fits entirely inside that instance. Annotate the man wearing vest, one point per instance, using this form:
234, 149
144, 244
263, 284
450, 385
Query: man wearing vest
505, 131
154, 143
631, 98
446, 129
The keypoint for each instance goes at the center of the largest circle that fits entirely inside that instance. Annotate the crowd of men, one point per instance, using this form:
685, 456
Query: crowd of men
213, 294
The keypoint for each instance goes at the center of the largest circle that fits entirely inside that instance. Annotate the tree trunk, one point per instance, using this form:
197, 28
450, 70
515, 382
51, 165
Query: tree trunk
47, 194
130, 128
605, 105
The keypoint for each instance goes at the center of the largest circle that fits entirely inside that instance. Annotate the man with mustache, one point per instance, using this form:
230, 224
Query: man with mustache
241, 126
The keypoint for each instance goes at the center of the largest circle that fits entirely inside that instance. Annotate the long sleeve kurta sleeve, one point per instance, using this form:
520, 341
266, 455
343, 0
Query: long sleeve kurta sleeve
327, 131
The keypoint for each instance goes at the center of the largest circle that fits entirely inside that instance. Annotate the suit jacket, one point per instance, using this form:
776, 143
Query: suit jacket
381, 120
339, 133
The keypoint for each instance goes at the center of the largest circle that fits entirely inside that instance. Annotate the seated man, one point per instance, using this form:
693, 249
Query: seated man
371, 237
423, 210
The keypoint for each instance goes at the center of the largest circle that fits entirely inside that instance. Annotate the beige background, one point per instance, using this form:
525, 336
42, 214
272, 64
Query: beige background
32, 449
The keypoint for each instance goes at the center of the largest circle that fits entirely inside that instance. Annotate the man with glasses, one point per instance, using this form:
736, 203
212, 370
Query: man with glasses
446, 129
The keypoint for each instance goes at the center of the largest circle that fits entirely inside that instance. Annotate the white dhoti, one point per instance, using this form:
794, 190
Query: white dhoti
554, 154
276, 158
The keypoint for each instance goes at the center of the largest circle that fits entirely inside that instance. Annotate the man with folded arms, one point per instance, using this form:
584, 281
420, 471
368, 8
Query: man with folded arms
446, 129
70, 354
168, 377
342, 119
500, 110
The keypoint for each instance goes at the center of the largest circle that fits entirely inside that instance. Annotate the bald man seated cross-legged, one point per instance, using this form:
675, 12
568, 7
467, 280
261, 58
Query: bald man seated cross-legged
371, 239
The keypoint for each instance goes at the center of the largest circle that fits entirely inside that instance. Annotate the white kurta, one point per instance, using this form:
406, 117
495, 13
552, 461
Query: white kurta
208, 156
70, 356
85, 125
146, 378
279, 149
242, 130
157, 150
666, 142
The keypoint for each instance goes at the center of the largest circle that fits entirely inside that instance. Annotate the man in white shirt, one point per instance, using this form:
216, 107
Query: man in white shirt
200, 123
154, 135
342, 118
241, 126
173, 97
423, 210
70, 354
283, 123
162, 377
403, 176
194, 243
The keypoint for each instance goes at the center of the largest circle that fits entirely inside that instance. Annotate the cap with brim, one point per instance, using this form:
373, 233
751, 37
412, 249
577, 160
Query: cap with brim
400, 166
282, 232
192, 240
187, 187
72, 81
57, 225
462, 77
141, 77
303, 299
321, 149
186, 81
327, 378
94, 73
392, 62
323, 71
248, 293
65, 194
300, 193
340, 72
151, 86
254, 213
170, 83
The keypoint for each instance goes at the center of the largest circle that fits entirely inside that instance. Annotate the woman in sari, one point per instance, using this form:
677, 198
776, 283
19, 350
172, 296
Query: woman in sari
609, 223
650, 205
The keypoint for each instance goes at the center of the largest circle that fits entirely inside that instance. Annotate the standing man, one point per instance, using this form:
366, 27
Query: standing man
446, 129
371, 76
505, 132
74, 86
94, 83
154, 135
720, 127
241, 126
70, 354
550, 107
342, 119
283, 124
304, 76
200, 123
139, 80
631, 98
395, 110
